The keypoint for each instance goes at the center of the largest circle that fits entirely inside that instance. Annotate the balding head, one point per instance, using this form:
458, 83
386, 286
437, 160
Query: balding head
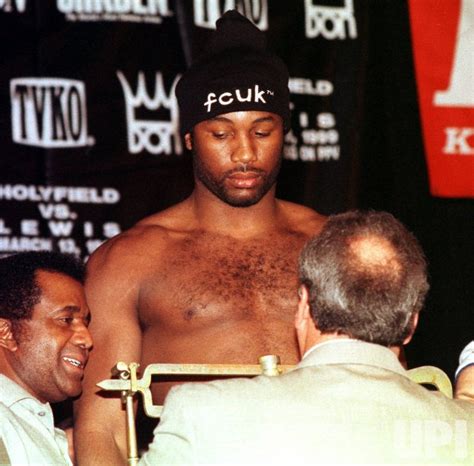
366, 278
374, 254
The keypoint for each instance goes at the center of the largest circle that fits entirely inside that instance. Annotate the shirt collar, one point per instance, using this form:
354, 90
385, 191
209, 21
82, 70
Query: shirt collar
11, 393
350, 351
327, 342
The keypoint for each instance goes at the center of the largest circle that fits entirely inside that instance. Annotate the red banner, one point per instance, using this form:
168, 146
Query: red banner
443, 39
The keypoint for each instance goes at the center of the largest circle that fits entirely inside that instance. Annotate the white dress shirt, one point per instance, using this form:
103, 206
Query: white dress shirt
466, 358
27, 428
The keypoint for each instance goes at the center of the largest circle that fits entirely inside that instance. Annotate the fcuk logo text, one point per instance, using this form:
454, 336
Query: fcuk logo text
226, 98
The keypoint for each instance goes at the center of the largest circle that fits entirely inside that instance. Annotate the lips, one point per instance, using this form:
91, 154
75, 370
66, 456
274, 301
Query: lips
77, 363
244, 180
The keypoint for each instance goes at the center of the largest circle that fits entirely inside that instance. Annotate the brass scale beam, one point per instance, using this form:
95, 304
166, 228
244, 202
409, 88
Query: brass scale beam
129, 384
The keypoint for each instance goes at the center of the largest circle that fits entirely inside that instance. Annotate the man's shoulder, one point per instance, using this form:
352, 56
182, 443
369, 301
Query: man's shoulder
5, 411
302, 218
227, 392
457, 409
154, 232
161, 226
465, 406
9, 417
174, 218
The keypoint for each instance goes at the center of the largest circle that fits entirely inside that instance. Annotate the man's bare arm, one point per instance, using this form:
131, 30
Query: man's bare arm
464, 386
111, 290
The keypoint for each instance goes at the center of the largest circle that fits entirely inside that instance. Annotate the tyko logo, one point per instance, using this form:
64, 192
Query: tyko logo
49, 112
13, 6
155, 135
226, 98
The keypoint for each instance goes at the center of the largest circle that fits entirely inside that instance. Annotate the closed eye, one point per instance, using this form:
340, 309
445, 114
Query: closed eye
66, 320
219, 135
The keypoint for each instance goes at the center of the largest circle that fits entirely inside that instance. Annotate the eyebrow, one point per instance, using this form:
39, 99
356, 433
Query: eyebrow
269, 118
70, 309
75, 310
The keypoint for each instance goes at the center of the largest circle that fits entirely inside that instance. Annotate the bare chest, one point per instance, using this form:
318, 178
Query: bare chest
213, 279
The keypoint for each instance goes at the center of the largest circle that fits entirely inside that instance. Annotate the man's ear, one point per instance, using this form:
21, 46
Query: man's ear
188, 141
7, 340
303, 319
414, 323
302, 314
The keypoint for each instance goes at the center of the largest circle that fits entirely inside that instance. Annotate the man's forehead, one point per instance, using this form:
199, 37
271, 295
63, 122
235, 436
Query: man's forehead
250, 116
59, 292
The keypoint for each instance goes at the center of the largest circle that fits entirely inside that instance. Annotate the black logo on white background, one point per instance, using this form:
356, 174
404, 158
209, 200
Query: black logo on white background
330, 22
12, 6
152, 135
125, 11
49, 112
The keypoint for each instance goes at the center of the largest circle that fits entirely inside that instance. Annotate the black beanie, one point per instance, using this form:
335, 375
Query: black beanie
235, 73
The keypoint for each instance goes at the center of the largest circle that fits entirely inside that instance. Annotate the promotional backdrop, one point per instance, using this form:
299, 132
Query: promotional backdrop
89, 140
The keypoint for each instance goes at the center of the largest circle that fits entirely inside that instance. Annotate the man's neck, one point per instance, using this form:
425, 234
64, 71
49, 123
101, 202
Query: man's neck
215, 215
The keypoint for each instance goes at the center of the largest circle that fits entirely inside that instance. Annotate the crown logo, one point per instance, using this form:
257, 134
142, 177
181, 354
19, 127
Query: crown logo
154, 136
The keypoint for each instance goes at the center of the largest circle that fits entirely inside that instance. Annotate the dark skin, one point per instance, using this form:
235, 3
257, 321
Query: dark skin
210, 280
48, 355
464, 388
48, 352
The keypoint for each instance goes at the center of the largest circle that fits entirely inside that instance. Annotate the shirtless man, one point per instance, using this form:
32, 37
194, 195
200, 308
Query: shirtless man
212, 279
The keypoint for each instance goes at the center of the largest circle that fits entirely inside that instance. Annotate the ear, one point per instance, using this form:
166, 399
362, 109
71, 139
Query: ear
414, 323
302, 314
188, 141
7, 340
303, 319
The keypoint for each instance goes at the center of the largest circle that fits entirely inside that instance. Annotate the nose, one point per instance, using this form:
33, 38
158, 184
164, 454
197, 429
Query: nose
82, 337
244, 150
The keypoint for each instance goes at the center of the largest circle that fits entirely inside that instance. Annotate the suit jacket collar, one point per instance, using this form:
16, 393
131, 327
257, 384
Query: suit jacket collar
352, 352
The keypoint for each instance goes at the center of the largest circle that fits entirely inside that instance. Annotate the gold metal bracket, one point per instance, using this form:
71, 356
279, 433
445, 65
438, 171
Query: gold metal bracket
129, 383
434, 376
127, 375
